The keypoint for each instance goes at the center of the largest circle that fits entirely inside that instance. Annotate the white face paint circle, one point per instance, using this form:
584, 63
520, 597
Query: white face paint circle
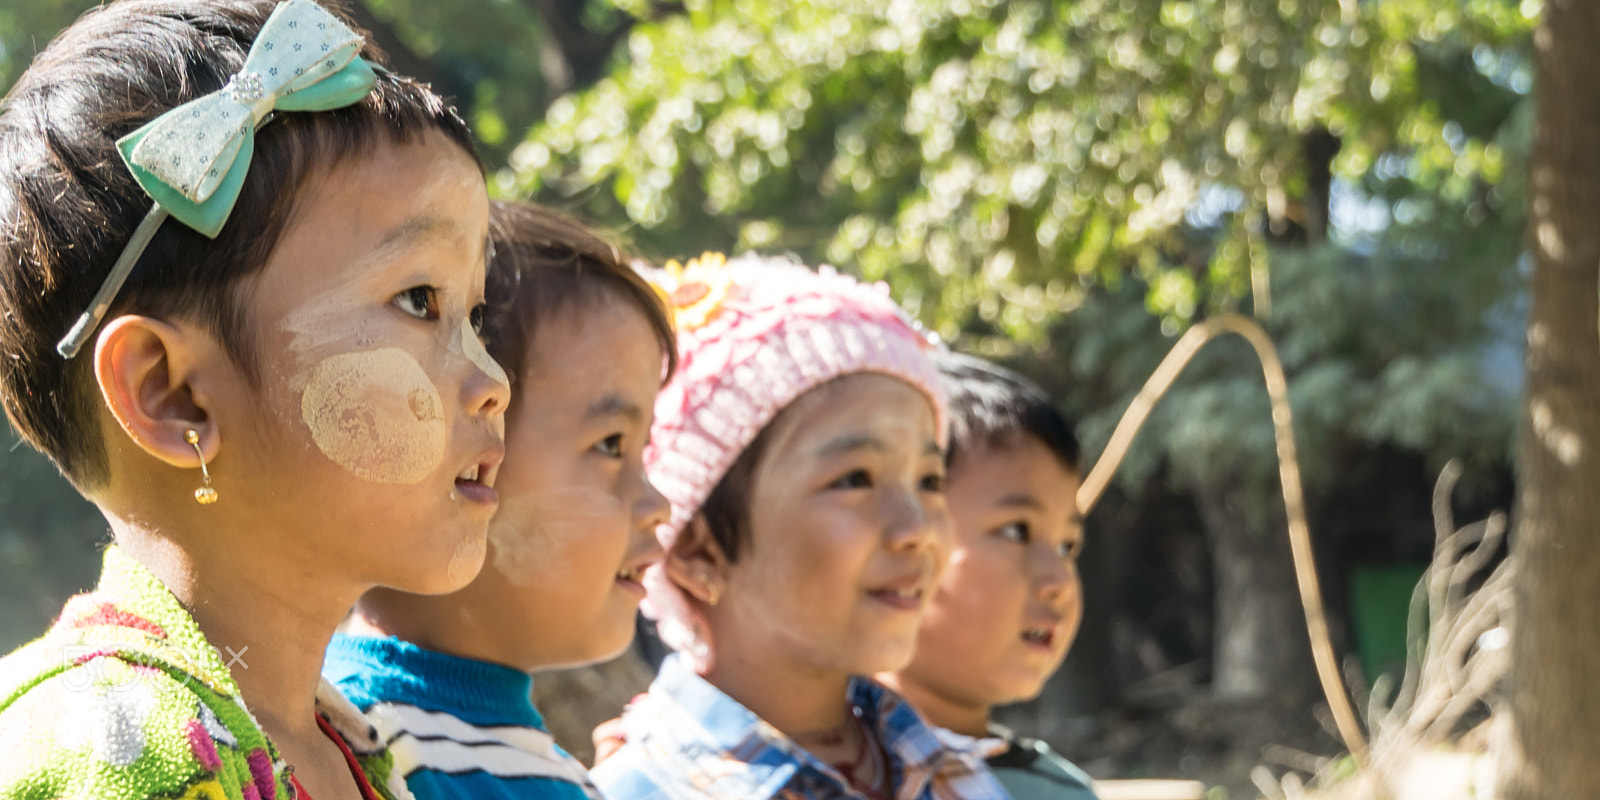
376, 414
472, 348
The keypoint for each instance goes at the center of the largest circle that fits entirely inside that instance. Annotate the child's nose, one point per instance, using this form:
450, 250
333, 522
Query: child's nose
486, 395
912, 525
1057, 580
653, 509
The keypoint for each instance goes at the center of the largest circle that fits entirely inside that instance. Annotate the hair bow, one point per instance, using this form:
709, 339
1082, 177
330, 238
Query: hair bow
192, 160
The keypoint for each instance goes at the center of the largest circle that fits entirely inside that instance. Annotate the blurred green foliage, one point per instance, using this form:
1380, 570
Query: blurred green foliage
992, 159
486, 54
1380, 353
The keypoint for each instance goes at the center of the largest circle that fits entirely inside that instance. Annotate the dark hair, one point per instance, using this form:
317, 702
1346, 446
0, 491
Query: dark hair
993, 406
544, 263
727, 509
68, 205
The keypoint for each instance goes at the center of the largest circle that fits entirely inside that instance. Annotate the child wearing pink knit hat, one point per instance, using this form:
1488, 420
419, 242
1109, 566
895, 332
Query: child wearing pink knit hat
800, 445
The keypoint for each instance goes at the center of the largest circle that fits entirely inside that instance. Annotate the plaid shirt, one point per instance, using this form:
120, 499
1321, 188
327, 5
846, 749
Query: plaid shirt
686, 740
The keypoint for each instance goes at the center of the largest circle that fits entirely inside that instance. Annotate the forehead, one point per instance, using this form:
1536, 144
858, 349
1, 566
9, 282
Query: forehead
1020, 466
591, 348
368, 215
880, 406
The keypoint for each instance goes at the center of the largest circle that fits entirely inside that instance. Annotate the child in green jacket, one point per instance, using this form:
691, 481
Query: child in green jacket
277, 397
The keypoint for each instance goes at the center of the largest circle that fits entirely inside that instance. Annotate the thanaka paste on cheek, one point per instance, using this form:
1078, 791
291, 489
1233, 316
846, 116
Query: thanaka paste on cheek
533, 539
376, 414
472, 348
466, 560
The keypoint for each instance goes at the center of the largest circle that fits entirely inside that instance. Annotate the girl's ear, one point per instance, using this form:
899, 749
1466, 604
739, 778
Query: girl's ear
697, 562
146, 370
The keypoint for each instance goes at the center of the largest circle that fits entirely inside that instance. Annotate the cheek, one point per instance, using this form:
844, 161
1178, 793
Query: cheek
376, 414
810, 574
1074, 607
980, 596
568, 536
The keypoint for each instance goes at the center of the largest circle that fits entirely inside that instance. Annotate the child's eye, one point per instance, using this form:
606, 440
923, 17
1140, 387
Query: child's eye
933, 482
611, 446
421, 302
1070, 549
1016, 532
475, 317
855, 479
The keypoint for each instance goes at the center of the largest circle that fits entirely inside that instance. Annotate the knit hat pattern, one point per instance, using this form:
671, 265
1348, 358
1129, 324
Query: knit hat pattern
780, 330
755, 333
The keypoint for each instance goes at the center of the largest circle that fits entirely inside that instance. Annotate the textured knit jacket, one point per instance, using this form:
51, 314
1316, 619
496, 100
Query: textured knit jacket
124, 699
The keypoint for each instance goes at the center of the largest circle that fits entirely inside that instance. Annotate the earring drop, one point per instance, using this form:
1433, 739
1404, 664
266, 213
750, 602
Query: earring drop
713, 591
205, 495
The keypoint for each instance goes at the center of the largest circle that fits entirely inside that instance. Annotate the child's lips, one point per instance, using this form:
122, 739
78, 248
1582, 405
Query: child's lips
475, 483
631, 579
477, 493
1042, 635
905, 594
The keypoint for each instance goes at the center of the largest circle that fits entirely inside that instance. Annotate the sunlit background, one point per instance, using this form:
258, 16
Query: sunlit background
1065, 186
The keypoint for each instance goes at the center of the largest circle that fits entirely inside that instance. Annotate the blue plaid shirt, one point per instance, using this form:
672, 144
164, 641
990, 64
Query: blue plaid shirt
686, 740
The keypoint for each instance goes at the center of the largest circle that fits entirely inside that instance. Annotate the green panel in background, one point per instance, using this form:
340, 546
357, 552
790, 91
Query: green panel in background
1380, 602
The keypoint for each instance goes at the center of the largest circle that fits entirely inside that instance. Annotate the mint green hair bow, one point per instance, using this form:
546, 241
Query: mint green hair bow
192, 160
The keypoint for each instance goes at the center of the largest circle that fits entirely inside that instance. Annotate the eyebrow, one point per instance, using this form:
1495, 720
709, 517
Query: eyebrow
413, 229
1020, 500
1031, 503
851, 442
613, 405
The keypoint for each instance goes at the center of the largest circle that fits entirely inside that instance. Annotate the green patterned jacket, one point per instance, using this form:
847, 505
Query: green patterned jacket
124, 699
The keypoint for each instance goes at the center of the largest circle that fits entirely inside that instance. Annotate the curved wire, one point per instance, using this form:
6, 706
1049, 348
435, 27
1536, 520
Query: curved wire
1305, 570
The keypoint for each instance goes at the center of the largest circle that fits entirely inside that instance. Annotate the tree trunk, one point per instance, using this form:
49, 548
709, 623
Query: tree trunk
1553, 728
1261, 646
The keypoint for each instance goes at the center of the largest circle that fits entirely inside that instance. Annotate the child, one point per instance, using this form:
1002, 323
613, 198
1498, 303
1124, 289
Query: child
445, 679
800, 445
1009, 604
284, 405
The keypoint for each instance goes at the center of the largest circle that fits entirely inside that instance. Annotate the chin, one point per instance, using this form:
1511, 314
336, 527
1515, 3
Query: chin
595, 654
887, 657
1020, 690
449, 571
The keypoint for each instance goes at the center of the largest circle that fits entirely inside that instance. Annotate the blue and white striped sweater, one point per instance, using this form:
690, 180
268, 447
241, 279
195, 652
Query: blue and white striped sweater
458, 728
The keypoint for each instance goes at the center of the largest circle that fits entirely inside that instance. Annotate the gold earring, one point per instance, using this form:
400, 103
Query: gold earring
204, 495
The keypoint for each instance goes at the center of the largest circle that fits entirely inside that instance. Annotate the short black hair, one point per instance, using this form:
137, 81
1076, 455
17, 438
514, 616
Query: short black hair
545, 262
726, 510
991, 406
68, 205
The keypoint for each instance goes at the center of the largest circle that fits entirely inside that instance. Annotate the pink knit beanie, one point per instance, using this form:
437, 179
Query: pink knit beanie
754, 334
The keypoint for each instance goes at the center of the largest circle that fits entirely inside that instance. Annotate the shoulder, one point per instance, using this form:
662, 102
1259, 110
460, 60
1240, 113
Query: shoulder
630, 775
439, 755
1030, 769
108, 728
354, 666
431, 785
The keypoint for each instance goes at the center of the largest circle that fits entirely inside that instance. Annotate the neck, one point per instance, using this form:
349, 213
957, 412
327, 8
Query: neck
268, 616
801, 701
444, 624
965, 717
